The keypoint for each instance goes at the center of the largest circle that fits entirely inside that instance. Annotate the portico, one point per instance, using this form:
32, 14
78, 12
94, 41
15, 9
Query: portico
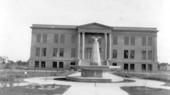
85, 33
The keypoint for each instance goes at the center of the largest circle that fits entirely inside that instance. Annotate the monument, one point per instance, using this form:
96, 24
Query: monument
93, 72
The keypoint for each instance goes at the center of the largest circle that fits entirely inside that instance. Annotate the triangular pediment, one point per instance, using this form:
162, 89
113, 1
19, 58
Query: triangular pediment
94, 26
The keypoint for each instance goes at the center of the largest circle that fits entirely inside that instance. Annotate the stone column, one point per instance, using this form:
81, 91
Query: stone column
110, 46
105, 46
78, 51
83, 43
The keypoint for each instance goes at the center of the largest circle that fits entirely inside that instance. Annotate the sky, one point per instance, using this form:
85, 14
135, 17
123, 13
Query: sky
17, 16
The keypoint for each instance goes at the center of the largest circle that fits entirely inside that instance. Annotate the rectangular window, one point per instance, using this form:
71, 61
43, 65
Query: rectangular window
132, 54
143, 67
56, 38
115, 40
42, 64
126, 40
55, 52
114, 54
143, 41
132, 66
114, 64
54, 64
38, 38
61, 64
37, 51
126, 53
73, 52
132, 40
43, 51
125, 66
61, 52
44, 38
62, 38
73, 39
150, 41
150, 54
150, 67
143, 54
36, 64
73, 63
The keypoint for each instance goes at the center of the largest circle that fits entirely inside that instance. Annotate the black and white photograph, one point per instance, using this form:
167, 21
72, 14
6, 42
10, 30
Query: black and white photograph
84, 47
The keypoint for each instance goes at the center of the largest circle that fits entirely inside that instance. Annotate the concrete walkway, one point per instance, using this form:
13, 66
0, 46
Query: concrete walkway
80, 88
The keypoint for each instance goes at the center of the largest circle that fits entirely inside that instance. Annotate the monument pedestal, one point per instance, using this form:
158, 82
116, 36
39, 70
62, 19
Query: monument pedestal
91, 73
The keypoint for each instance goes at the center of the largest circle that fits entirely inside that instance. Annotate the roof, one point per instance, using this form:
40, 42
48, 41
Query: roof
47, 26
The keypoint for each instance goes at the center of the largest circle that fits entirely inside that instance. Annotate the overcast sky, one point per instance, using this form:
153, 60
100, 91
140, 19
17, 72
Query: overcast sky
16, 17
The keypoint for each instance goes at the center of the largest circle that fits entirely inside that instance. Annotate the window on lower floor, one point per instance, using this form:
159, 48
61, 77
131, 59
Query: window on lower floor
61, 52
73, 63
132, 54
36, 64
42, 64
143, 67
55, 52
125, 66
61, 64
132, 66
44, 51
114, 54
150, 67
54, 64
114, 64
37, 51
126, 54
150, 54
143, 54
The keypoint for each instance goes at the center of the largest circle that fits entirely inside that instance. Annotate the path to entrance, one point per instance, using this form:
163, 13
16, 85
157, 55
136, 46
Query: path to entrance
80, 88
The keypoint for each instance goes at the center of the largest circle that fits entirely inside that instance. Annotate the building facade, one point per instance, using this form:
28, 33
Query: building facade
60, 46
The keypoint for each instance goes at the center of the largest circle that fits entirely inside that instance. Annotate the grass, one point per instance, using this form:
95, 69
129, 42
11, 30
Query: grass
15, 76
145, 91
27, 91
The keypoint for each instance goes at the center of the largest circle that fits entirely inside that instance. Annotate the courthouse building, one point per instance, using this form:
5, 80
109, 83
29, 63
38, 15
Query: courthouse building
60, 46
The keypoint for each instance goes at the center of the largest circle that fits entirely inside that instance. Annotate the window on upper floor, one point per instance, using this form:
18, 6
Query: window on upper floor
61, 53
37, 51
115, 40
143, 54
114, 54
44, 38
62, 38
150, 54
143, 41
38, 38
43, 51
55, 52
132, 54
126, 40
132, 40
150, 41
56, 37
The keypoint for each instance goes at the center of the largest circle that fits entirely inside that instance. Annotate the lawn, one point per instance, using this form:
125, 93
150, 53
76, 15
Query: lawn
135, 90
9, 77
35, 91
